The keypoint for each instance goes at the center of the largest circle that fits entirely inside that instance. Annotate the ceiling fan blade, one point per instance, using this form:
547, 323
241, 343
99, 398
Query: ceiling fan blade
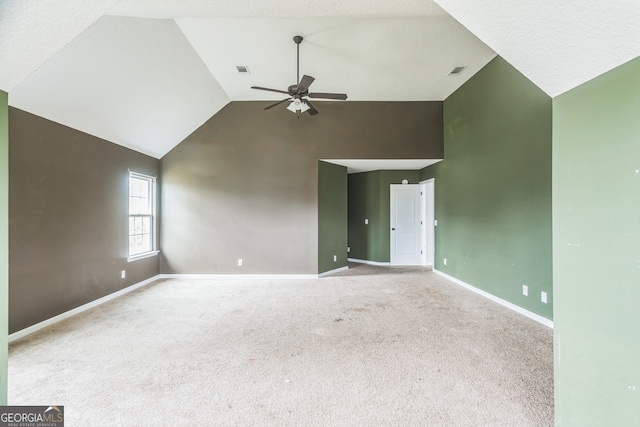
312, 110
304, 84
342, 96
270, 90
278, 103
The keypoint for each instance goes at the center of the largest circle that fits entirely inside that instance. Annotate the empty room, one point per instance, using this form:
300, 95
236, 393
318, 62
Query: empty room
320, 213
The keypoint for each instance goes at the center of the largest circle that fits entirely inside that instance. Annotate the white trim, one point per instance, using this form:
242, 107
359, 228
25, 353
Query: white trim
153, 196
516, 308
38, 326
334, 271
34, 328
238, 276
364, 261
429, 215
143, 256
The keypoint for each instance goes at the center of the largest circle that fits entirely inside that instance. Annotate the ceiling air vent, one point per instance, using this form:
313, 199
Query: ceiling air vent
456, 71
242, 69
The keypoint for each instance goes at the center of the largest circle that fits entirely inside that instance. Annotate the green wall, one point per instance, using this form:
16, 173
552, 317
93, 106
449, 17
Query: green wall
596, 250
332, 216
370, 198
4, 243
493, 188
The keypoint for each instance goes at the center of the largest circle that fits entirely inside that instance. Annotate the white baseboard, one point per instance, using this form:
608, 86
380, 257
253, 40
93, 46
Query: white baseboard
34, 328
334, 271
364, 261
238, 276
516, 308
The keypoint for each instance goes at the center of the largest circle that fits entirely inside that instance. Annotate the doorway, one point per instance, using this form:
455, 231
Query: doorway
412, 223
406, 224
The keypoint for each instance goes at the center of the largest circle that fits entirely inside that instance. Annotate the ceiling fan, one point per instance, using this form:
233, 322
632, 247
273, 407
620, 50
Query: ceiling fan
299, 93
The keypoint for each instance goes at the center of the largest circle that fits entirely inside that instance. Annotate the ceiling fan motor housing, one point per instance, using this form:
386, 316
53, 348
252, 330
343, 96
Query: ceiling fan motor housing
293, 91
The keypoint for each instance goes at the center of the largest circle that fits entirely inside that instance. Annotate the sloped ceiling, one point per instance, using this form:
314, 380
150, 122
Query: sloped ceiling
146, 73
149, 72
558, 45
391, 59
32, 31
136, 82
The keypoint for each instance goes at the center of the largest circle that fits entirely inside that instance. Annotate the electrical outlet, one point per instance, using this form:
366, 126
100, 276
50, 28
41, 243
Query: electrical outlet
435, 222
543, 297
335, 258
445, 261
123, 274
240, 262
348, 249
366, 221
525, 290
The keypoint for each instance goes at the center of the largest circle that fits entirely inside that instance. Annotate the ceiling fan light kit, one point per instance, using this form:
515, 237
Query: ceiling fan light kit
298, 105
299, 93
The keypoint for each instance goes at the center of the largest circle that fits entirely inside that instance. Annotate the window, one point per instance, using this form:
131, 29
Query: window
142, 227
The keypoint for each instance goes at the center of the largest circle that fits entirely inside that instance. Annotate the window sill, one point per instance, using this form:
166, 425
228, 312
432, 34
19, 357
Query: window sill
142, 256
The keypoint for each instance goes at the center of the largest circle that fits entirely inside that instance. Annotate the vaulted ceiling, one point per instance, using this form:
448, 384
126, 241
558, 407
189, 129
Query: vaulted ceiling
147, 73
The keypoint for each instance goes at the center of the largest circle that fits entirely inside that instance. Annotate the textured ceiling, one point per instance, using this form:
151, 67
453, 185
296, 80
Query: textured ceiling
558, 45
32, 31
391, 59
136, 82
366, 165
151, 71
275, 8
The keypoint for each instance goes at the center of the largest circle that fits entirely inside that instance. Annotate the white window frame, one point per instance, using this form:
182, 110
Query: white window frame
152, 196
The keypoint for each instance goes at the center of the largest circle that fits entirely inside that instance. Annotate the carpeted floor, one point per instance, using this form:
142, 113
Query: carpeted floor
371, 346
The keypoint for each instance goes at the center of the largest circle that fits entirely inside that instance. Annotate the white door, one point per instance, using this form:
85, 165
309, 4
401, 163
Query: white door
406, 233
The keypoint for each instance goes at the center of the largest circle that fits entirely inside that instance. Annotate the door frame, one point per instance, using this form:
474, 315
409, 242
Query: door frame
428, 188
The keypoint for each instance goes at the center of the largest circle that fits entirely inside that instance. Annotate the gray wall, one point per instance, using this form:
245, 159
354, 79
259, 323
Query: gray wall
68, 218
245, 184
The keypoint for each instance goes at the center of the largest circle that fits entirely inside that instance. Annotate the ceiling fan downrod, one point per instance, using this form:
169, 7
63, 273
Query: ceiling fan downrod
298, 40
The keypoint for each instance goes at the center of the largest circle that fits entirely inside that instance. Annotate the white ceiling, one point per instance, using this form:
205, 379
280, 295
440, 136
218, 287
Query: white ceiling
147, 73
366, 165
390, 59
136, 82
557, 44
274, 8
32, 31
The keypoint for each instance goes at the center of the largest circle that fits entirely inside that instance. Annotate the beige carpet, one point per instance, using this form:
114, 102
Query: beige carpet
372, 346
